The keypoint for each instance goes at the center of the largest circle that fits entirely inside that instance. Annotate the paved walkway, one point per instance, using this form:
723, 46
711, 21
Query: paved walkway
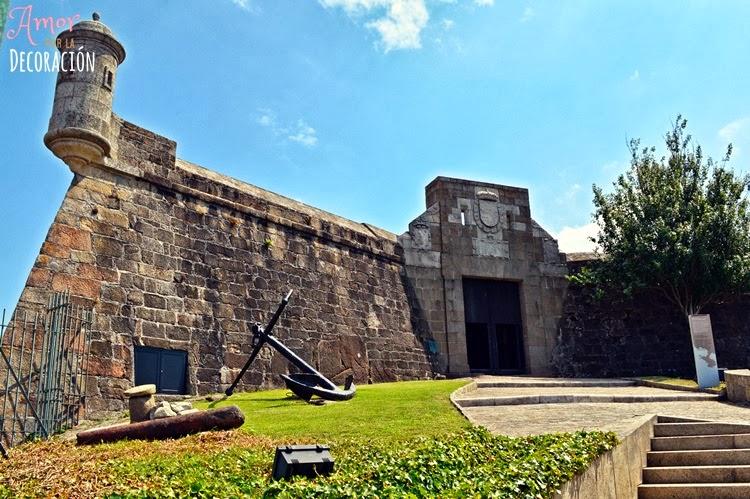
617, 417
525, 419
626, 391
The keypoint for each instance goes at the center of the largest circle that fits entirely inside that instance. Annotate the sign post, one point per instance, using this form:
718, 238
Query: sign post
704, 352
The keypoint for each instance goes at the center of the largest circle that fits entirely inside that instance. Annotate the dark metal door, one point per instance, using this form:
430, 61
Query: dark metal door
494, 332
172, 378
164, 368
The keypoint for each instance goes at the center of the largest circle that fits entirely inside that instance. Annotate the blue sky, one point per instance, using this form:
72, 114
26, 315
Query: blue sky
355, 105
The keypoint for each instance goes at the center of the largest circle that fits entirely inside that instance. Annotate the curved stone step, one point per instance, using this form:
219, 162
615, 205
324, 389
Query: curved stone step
552, 383
697, 474
694, 491
692, 429
481, 401
698, 457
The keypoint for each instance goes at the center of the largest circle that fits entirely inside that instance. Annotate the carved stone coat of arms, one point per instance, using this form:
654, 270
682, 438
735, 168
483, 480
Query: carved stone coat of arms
487, 211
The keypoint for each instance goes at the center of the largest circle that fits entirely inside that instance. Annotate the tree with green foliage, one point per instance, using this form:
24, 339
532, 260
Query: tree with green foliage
679, 224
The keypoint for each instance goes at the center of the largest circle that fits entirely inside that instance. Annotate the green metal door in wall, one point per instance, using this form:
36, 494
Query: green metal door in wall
494, 331
164, 368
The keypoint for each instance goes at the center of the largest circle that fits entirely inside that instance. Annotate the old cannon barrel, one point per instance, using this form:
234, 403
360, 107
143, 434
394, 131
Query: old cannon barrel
225, 418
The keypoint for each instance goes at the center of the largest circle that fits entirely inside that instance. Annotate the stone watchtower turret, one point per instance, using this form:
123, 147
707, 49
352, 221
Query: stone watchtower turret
79, 129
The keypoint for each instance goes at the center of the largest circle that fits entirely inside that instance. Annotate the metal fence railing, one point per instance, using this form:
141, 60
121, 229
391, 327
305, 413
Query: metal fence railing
43, 368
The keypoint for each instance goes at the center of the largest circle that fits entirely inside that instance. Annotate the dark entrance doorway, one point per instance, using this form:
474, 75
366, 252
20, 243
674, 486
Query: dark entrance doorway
494, 333
164, 368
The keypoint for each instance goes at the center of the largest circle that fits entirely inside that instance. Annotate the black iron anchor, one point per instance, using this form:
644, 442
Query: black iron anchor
306, 384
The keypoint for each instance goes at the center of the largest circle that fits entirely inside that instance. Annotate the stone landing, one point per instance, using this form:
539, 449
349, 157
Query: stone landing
543, 405
496, 391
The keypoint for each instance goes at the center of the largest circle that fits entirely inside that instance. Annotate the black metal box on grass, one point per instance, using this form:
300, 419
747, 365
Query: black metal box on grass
305, 460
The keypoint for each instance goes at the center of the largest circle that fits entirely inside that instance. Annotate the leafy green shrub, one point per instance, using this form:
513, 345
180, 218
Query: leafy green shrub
469, 463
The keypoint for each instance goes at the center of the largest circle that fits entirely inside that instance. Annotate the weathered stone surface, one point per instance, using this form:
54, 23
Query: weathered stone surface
78, 286
140, 407
344, 356
172, 255
616, 473
163, 410
738, 385
69, 237
643, 335
181, 407
140, 390
191, 275
483, 231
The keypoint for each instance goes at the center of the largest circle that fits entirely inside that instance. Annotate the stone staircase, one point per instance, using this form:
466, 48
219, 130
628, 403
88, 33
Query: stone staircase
697, 459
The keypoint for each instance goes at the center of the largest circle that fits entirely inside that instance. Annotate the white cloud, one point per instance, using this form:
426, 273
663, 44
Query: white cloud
247, 5
266, 118
636, 75
400, 23
733, 130
614, 167
354, 6
242, 4
571, 193
576, 239
304, 134
401, 28
528, 14
300, 132
737, 133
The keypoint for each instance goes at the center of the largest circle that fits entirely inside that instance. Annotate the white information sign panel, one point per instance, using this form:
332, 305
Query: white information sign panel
703, 350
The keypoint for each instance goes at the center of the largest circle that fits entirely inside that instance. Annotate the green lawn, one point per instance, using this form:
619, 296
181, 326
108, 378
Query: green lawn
386, 411
392, 440
691, 383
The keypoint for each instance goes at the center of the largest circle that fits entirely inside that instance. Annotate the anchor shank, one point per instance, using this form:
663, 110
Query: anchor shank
258, 345
296, 360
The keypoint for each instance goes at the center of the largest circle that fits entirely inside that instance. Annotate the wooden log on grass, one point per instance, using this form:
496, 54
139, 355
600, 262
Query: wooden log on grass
226, 418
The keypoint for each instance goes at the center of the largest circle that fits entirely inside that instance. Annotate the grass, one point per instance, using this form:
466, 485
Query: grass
385, 411
690, 383
391, 440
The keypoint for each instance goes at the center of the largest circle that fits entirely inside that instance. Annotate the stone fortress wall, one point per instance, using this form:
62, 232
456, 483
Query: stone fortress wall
171, 255
642, 335
174, 256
